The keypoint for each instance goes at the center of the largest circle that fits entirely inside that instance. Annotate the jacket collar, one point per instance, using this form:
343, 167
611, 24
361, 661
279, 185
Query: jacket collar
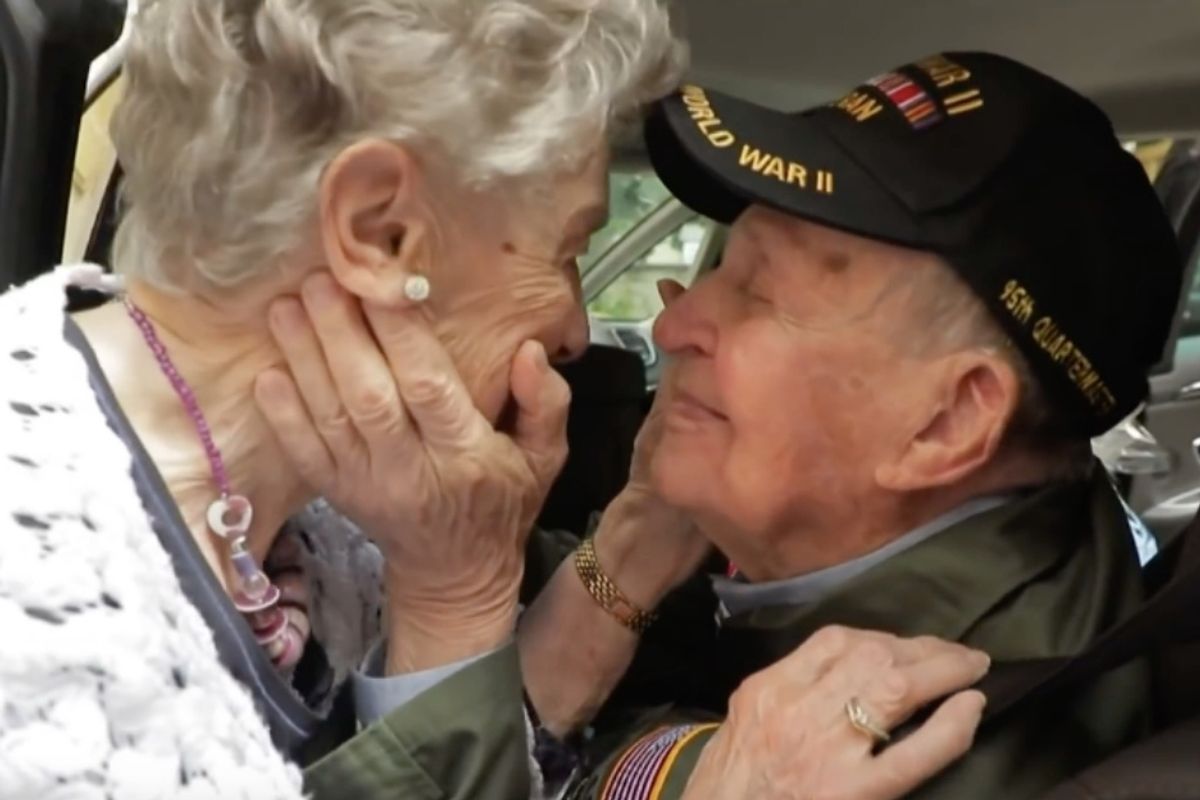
738, 596
944, 586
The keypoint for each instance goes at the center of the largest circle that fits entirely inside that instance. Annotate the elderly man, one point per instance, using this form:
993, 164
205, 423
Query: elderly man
935, 291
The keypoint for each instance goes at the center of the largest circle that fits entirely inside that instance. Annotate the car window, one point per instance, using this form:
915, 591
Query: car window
1152, 153
1189, 329
633, 296
1174, 165
632, 196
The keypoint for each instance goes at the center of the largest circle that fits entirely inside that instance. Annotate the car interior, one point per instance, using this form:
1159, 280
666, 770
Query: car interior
1139, 60
48, 49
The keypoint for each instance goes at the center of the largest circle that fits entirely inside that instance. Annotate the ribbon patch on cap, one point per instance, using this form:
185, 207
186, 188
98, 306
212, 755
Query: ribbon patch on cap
955, 94
909, 98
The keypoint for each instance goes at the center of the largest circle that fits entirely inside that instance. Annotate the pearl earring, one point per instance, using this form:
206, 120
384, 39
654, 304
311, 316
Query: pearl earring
416, 288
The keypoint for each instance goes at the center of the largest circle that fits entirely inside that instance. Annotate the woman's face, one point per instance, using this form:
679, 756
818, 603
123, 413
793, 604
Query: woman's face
506, 272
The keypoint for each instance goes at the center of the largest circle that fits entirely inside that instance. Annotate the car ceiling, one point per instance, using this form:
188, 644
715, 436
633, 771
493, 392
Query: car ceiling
1140, 59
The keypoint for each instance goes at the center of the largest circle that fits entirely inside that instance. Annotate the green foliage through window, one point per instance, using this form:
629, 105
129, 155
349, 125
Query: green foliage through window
633, 295
631, 197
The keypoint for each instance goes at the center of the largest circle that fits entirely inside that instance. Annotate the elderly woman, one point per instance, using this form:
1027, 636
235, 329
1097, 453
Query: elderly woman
413, 173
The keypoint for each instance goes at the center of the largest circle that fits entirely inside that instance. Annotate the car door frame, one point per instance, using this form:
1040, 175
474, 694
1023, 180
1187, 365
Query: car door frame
47, 47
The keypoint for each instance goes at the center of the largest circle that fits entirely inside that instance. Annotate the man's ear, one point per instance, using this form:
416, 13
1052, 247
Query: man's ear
374, 220
959, 431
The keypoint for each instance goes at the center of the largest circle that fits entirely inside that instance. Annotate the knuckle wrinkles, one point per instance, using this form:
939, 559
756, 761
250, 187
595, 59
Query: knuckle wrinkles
894, 687
430, 390
374, 403
333, 423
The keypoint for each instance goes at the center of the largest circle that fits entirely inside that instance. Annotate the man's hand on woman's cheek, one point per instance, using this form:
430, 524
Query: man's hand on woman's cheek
650, 545
645, 544
378, 421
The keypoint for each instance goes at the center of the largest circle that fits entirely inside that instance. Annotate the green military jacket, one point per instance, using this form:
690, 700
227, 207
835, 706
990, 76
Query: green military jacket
1038, 577
463, 739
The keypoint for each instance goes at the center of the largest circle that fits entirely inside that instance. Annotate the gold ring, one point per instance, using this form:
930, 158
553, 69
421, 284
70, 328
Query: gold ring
862, 722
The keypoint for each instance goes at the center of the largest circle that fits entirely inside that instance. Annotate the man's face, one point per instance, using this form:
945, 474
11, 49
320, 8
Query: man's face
788, 378
509, 273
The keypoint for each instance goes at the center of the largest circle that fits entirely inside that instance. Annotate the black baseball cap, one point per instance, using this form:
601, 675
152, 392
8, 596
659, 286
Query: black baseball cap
1017, 181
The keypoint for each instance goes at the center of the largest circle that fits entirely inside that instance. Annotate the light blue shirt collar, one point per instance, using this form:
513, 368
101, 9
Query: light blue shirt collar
738, 596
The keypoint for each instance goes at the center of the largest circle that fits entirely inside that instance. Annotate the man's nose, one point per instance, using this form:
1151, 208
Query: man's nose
686, 323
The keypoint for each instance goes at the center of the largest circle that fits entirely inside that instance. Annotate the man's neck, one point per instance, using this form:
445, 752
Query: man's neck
803, 546
220, 360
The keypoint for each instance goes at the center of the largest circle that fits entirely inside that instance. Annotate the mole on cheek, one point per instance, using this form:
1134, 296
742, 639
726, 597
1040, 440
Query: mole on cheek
836, 263
508, 248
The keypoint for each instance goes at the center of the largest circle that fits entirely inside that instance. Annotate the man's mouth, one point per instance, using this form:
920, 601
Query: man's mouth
684, 406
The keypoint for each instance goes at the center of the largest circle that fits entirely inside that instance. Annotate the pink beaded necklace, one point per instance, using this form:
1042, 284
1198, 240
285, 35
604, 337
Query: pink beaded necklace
230, 515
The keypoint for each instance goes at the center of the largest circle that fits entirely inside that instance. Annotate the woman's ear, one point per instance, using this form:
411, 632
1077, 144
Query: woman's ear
374, 220
960, 425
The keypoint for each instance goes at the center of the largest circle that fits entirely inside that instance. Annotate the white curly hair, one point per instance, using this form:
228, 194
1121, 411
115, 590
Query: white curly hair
232, 108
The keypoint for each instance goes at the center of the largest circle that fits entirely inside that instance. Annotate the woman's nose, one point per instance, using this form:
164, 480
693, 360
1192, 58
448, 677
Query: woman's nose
576, 332
575, 336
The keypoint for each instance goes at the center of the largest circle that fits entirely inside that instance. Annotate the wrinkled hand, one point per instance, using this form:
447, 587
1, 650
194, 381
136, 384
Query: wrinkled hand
377, 420
651, 432
787, 736
647, 545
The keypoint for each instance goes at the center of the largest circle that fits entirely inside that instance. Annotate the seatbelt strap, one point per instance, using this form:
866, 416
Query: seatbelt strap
1170, 617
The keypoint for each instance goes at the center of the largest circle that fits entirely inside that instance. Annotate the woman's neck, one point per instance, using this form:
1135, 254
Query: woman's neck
220, 360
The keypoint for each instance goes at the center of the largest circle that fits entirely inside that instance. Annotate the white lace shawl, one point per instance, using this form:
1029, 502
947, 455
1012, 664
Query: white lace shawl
110, 686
